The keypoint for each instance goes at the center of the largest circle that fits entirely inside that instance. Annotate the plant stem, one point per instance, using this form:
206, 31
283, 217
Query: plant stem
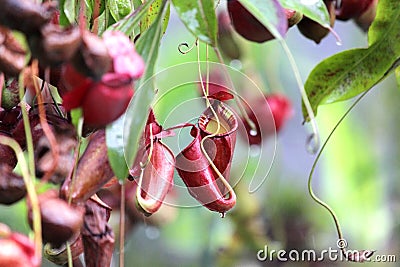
27, 126
122, 227
310, 112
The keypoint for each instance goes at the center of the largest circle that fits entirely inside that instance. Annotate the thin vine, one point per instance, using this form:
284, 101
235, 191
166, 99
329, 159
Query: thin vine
309, 184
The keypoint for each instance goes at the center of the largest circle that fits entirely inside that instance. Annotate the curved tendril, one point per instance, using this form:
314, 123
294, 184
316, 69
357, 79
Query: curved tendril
143, 165
303, 93
310, 189
31, 191
205, 92
238, 100
220, 175
188, 48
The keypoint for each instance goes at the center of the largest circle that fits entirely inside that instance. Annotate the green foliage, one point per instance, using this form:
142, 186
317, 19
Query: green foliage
70, 10
352, 72
136, 115
152, 14
127, 24
115, 148
119, 8
199, 17
398, 76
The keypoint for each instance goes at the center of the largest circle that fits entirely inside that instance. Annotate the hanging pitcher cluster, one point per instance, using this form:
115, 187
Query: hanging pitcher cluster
204, 164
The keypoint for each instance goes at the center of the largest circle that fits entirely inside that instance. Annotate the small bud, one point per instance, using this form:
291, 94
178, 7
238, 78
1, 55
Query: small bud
93, 170
54, 45
250, 27
314, 31
352, 9
12, 56
57, 227
12, 186
226, 42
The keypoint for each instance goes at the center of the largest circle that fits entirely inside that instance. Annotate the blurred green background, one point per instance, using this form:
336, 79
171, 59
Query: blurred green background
356, 175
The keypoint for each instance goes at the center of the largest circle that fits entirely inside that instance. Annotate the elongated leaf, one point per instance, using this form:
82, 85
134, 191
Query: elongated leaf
119, 8
199, 17
115, 148
151, 16
315, 10
127, 24
352, 72
136, 115
70, 10
398, 76
270, 13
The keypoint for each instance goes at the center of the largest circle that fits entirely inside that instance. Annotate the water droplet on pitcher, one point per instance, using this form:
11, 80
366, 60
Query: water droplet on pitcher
152, 232
255, 150
236, 64
222, 214
253, 132
312, 143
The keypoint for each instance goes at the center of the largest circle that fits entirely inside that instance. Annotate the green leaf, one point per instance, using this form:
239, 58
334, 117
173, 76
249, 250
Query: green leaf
398, 76
70, 10
76, 115
115, 148
119, 8
199, 18
315, 10
268, 13
63, 18
349, 73
136, 115
127, 24
151, 16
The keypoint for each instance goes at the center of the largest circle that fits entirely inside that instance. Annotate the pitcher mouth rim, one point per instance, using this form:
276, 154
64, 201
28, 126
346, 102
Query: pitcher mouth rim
223, 111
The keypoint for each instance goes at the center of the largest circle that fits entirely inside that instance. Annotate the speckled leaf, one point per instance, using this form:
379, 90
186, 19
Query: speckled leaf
136, 115
270, 13
199, 17
152, 14
349, 73
127, 24
315, 10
